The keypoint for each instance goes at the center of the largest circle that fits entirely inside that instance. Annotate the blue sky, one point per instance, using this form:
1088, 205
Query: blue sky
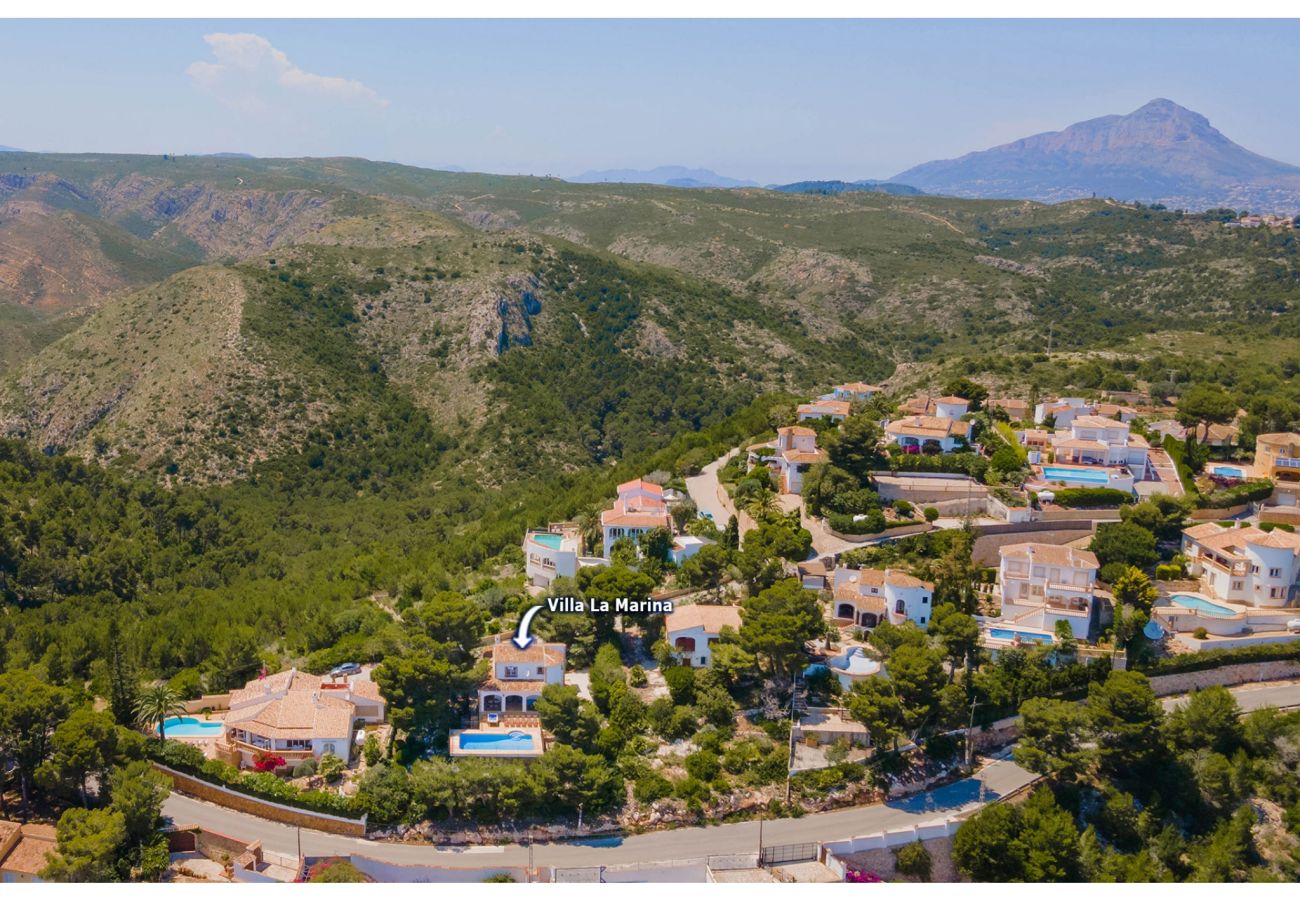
767, 100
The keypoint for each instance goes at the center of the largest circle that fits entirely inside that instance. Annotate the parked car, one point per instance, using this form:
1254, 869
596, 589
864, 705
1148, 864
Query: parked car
344, 670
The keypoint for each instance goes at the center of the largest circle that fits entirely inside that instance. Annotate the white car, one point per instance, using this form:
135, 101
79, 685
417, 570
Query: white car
1293, 625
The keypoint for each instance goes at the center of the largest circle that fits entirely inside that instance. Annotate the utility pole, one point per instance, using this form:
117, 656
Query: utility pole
530, 854
789, 769
969, 728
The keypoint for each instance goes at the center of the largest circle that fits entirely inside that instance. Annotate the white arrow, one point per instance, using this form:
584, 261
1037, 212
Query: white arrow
522, 638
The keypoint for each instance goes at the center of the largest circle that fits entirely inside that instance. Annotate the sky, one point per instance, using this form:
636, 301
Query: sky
767, 100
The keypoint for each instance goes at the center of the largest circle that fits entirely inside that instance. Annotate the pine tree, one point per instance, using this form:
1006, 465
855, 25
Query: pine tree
122, 680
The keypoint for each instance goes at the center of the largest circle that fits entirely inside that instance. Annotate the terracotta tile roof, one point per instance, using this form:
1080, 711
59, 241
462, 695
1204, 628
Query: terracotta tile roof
800, 430
928, 426
1080, 444
28, 855
1097, 422
537, 653
859, 387
952, 400
1114, 409
301, 715
1204, 530
711, 618
644, 519
825, 407
803, 456
879, 578
512, 685
1052, 555
1278, 437
640, 484
864, 602
1233, 541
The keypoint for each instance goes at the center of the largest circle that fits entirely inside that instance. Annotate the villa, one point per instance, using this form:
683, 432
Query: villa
1016, 410
1247, 584
691, 631
913, 433
867, 597
940, 407
855, 390
1042, 584
789, 457
1244, 565
519, 676
1098, 441
297, 716
1277, 457
1062, 411
640, 507
835, 410
555, 553
1115, 411
685, 546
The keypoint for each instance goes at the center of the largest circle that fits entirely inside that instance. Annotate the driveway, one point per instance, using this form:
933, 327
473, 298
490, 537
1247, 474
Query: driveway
704, 490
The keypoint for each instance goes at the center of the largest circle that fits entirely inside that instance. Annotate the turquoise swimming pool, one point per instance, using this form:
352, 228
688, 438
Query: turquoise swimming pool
1078, 476
1008, 634
510, 740
185, 726
1228, 471
1201, 605
549, 540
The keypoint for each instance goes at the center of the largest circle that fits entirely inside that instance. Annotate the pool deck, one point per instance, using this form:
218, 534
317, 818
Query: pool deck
536, 749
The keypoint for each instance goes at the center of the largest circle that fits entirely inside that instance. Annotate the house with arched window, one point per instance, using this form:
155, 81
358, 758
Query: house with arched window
867, 597
518, 676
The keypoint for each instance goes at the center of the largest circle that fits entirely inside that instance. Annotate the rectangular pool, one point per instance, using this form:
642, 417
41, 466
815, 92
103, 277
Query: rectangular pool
546, 539
1078, 476
509, 741
1008, 634
1228, 471
186, 726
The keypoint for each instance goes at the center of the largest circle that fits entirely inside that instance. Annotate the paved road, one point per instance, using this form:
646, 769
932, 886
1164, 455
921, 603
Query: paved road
993, 781
703, 489
1283, 695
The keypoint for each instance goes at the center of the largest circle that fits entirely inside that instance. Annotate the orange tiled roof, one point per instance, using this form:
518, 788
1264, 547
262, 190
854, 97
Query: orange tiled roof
711, 618
1052, 555
537, 653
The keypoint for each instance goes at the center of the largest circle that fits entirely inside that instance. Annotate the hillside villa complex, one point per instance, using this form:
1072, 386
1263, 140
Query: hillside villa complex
639, 507
936, 422
507, 720
789, 457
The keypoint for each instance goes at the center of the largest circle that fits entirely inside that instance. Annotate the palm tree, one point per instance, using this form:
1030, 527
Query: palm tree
156, 704
762, 505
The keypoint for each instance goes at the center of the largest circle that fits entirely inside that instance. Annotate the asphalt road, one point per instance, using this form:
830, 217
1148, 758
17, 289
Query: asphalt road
1283, 695
993, 781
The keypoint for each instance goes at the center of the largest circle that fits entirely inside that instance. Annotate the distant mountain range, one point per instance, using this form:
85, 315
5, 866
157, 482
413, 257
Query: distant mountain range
670, 176
1161, 153
4, 149
844, 187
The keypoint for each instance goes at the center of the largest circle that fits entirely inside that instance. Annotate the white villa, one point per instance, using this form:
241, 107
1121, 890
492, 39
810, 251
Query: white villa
835, 410
914, 432
789, 457
296, 715
867, 597
640, 507
1062, 411
941, 407
685, 546
1248, 582
1098, 441
1244, 565
691, 631
855, 390
555, 553
1043, 584
518, 676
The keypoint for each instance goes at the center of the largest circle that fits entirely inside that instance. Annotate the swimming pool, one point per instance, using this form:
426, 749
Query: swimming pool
185, 726
1080, 476
1008, 634
549, 540
1201, 605
1228, 471
510, 740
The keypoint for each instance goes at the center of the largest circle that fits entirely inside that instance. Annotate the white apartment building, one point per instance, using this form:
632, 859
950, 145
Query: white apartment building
1244, 565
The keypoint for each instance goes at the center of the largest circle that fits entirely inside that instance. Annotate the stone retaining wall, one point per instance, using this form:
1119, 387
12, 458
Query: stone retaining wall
265, 809
1228, 676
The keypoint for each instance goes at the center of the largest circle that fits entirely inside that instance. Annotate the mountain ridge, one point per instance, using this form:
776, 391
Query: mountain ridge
670, 176
1160, 153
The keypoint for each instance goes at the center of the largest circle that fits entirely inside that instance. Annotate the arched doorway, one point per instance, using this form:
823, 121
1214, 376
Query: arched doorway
845, 611
685, 644
514, 703
492, 703
868, 620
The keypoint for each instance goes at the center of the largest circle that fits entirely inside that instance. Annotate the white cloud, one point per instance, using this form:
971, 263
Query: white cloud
247, 69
